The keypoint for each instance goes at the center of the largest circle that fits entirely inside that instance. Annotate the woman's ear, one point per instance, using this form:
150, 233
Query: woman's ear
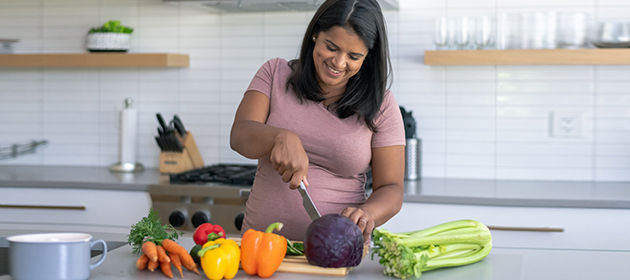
314, 38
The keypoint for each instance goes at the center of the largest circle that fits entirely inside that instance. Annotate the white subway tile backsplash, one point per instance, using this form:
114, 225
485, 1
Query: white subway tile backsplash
489, 122
568, 174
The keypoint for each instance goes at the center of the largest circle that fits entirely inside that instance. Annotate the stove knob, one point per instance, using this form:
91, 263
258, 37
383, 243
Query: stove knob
200, 217
177, 218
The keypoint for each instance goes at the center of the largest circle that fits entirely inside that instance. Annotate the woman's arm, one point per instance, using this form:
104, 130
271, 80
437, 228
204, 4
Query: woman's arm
252, 138
388, 167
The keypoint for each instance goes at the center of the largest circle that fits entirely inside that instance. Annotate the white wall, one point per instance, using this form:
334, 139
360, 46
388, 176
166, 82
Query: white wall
475, 122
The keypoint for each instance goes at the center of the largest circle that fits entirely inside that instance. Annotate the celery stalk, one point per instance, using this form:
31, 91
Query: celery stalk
449, 244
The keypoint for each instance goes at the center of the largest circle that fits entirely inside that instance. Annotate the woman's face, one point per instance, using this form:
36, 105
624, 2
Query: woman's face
338, 55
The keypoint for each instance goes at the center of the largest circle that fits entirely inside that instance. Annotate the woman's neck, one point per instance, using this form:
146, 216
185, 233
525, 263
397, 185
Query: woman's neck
332, 95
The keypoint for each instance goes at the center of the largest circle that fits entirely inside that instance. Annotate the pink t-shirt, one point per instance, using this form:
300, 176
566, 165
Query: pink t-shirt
339, 153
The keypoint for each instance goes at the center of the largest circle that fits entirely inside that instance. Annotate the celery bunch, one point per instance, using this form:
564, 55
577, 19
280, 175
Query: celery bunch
455, 243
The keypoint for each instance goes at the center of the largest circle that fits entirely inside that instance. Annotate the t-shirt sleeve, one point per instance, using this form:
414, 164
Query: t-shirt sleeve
263, 80
389, 124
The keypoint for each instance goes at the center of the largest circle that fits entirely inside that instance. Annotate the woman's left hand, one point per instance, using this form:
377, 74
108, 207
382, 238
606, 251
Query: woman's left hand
363, 219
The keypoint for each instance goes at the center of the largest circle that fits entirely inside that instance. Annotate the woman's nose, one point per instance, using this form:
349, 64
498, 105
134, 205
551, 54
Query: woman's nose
339, 61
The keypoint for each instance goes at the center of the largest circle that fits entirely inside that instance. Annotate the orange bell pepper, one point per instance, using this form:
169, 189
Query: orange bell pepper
262, 252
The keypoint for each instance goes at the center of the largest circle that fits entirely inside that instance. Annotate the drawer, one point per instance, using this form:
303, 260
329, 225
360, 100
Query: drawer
48, 207
584, 228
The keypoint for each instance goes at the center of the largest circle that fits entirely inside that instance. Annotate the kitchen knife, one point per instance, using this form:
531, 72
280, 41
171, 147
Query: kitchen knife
308, 203
162, 123
159, 142
179, 126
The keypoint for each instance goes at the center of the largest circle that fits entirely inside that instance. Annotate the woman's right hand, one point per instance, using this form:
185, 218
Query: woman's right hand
289, 158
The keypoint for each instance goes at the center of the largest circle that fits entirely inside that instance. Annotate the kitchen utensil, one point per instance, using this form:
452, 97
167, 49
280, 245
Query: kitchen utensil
509, 31
6, 45
160, 119
572, 30
16, 150
611, 35
413, 147
52, 256
179, 126
413, 159
440, 37
484, 33
409, 122
307, 202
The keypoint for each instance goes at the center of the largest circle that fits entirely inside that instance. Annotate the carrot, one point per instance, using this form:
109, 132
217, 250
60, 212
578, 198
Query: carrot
166, 269
174, 248
152, 265
142, 261
162, 257
177, 262
150, 249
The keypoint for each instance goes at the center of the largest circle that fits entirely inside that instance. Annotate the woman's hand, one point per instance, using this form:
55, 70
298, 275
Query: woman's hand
289, 158
363, 219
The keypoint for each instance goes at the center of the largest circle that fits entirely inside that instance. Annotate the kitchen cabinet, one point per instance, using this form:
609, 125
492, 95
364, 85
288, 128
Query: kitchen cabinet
53, 60
529, 57
62, 209
584, 228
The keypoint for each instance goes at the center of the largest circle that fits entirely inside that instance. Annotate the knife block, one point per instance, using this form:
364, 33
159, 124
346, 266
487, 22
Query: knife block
177, 162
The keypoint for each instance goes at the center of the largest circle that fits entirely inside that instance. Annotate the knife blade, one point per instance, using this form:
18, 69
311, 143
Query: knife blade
307, 202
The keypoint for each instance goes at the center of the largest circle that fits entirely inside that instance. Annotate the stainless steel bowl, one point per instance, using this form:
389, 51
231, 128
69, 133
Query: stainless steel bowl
611, 35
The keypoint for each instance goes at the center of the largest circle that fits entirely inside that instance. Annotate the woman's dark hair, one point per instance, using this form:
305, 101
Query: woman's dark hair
365, 90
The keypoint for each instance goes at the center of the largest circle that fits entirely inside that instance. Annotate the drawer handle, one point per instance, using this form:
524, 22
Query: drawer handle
47, 207
537, 229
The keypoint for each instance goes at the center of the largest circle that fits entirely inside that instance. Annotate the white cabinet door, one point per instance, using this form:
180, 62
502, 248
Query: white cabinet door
595, 229
54, 209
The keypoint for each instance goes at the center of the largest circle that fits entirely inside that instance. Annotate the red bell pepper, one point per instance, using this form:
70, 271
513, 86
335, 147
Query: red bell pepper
203, 232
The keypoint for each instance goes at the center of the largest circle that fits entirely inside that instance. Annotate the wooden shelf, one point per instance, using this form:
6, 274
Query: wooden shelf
52, 60
529, 57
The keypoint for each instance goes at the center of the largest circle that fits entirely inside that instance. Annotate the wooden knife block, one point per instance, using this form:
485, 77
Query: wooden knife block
189, 158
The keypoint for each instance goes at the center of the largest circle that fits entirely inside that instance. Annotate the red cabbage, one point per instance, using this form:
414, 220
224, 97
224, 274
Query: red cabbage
333, 241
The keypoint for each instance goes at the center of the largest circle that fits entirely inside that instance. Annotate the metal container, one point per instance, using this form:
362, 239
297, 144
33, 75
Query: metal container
413, 159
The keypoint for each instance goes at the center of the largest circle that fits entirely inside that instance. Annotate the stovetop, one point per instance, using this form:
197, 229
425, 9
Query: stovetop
229, 174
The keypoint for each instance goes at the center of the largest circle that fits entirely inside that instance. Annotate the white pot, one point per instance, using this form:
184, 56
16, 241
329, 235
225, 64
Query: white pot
108, 41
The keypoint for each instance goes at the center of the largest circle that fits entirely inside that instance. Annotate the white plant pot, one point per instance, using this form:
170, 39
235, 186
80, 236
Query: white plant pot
108, 42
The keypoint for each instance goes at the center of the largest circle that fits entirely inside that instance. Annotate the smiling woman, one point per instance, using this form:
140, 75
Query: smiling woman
325, 119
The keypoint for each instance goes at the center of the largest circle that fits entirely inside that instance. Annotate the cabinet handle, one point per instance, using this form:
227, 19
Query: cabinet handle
47, 207
538, 229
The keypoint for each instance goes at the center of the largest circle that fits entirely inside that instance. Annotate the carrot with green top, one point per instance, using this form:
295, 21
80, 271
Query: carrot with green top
166, 269
162, 257
152, 265
174, 248
142, 262
177, 262
150, 249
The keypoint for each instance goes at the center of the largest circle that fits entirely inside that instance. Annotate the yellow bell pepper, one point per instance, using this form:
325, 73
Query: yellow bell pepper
220, 258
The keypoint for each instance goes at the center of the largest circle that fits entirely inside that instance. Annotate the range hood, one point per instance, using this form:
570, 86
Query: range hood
241, 6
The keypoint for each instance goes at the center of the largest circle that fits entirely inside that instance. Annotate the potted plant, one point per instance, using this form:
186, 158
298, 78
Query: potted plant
111, 37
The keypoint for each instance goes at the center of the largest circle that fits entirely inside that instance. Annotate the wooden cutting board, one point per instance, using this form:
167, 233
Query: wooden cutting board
299, 264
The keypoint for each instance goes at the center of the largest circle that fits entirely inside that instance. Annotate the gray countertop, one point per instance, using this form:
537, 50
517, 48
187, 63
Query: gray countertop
500, 264
76, 177
525, 193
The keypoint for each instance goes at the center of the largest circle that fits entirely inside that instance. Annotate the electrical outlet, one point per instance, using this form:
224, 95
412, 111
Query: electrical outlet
565, 124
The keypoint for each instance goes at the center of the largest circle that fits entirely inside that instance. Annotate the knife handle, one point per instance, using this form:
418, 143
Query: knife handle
161, 121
